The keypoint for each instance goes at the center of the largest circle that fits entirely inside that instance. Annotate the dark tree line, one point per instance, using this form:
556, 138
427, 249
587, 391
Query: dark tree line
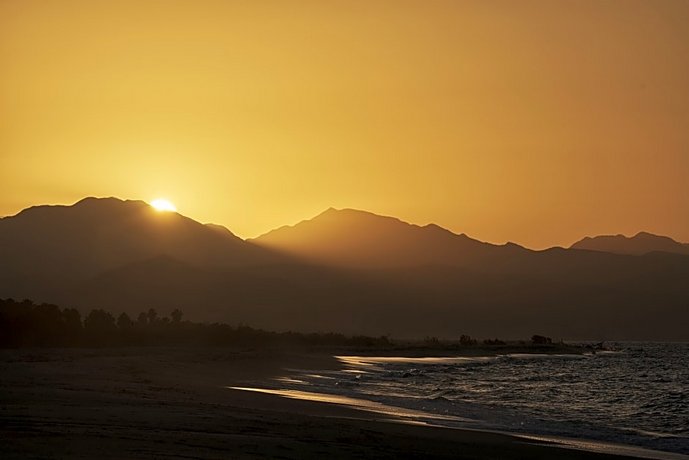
26, 324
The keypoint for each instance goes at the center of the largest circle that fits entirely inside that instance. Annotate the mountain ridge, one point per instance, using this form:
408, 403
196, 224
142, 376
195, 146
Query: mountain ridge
114, 201
101, 233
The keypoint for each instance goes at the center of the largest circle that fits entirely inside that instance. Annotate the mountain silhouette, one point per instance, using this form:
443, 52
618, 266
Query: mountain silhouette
353, 238
60, 243
344, 270
639, 244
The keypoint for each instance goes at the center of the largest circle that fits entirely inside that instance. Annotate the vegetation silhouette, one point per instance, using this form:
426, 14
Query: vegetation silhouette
26, 324
541, 340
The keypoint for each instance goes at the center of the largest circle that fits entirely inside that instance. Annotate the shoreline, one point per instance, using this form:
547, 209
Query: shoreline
174, 403
401, 415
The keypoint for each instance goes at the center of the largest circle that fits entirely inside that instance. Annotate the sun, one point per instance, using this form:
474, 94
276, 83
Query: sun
163, 205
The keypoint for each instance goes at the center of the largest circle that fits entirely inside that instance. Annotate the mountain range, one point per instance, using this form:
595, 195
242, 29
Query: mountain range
345, 270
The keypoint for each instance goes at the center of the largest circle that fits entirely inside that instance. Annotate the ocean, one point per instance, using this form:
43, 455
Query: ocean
637, 394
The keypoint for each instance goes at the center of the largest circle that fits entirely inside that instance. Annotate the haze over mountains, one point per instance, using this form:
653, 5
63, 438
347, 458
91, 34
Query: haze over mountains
352, 238
344, 270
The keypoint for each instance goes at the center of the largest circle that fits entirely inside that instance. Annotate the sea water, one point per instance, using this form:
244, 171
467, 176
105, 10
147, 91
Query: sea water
636, 395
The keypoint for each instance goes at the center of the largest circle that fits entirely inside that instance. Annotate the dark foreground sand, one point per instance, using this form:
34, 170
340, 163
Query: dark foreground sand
174, 403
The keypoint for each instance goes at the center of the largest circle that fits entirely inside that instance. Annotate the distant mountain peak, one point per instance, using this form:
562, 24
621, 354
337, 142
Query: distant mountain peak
107, 201
102, 203
644, 234
94, 199
641, 243
352, 213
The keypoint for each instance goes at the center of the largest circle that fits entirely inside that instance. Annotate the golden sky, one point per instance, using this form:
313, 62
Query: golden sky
537, 122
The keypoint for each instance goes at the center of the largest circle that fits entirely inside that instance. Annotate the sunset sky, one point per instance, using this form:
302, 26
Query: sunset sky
537, 122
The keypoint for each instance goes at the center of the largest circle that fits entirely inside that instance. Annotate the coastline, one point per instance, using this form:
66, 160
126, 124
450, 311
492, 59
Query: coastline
128, 402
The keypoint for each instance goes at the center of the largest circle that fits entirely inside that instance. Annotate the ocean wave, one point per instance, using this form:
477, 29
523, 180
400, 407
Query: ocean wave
643, 388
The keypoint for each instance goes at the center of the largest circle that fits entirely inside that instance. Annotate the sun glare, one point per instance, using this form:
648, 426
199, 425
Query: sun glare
160, 204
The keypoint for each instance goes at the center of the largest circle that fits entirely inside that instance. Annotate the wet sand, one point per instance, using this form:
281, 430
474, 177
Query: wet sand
176, 403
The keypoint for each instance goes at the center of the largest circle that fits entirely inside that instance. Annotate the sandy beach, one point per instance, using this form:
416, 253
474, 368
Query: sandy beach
176, 403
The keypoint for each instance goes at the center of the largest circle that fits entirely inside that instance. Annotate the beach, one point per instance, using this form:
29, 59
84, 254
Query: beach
179, 403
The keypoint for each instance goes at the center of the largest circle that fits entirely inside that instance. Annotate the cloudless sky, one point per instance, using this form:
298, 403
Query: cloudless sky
537, 122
